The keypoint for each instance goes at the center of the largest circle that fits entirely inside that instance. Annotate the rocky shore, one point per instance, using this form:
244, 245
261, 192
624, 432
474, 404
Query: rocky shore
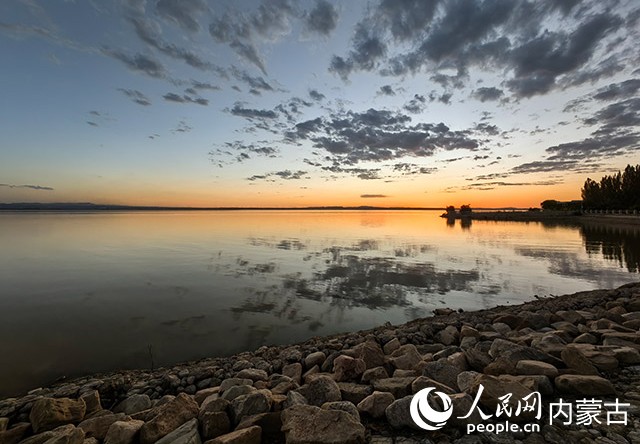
358, 387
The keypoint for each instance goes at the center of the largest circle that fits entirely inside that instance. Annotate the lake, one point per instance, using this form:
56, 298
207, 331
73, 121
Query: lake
88, 292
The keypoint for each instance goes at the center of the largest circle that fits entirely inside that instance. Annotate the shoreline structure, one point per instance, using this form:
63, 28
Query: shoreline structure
357, 387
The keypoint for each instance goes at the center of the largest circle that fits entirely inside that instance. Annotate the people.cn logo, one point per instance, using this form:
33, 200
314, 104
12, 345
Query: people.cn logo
433, 419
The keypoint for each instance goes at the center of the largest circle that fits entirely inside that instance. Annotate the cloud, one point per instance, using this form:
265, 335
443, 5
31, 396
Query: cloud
182, 127
241, 31
256, 84
416, 105
315, 95
546, 166
204, 85
138, 62
136, 96
485, 186
322, 19
408, 169
368, 49
182, 12
373, 196
620, 90
149, 32
386, 90
284, 175
250, 114
485, 94
172, 97
378, 135
31, 187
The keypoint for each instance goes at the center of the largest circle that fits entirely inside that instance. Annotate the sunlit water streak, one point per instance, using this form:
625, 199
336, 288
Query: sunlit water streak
81, 293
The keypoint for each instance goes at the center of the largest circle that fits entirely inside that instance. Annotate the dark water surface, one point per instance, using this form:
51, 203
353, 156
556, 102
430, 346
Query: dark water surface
82, 293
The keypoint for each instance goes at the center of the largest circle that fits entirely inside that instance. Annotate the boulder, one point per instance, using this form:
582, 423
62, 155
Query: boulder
406, 357
493, 389
293, 371
270, 423
201, 395
398, 413
214, 424
391, 346
376, 403
66, 434
370, 352
123, 432
322, 389
575, 360
133, 404
443, 372
169, 417
374, 373
354, 393
398, 387
232, 382
49, 413
92, 402
316, 358
250, 404
249, 435
187, 433
448, 336
530, 367
347, 368
237, 390
344, 406
305, 424
15, 433
253, 374
587, 385
98, 426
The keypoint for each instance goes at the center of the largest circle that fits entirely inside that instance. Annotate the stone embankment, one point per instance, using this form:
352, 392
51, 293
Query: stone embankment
357, 387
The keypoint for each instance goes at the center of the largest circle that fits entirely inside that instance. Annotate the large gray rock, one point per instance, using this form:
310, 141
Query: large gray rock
406, 357
232, 382
443, 372
344, 406
253, 374
66, 434
370, 352
376, 403
98, 426
214, 424
49, 413
398, 413
398, 387
250, 404
354, 393
133, 404
187, 433
305, 424
123, 432
575, 360
249, 435
322, 389
587, 385
347, 368
529, 367
316, 358
170, 416
237, 390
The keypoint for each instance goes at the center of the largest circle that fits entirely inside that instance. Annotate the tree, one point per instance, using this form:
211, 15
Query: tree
620, 191
465, 209
550, 205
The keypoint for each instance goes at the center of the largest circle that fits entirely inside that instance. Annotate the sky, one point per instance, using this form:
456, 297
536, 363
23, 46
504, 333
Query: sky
291, 103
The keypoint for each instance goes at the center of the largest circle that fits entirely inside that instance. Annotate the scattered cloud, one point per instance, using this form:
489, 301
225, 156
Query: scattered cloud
136, 96
284, 175
139, 62
485, 94
322, 19
185, 98
30, 187
373, 196
250, 114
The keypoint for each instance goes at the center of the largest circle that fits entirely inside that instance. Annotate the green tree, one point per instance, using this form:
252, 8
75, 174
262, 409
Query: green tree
620, 191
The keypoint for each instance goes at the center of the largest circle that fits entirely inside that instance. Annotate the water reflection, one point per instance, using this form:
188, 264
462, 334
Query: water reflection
213, 283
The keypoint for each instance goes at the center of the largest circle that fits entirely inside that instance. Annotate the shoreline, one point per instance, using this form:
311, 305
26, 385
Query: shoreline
547, 216
392, 360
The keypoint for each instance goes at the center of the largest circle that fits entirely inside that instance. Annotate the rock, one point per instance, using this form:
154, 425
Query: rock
376, 403
98, 426
477, 358
312, 425
291, 354
347, 368
398, 387
391, 346
49, 413
550, 344
170, 416
237, 390
444, 372
294, 371
316, 358
320, 390
15, 433
4, 424
233, 382
249, 435
406, 357
295, 398
270, 423
626, 355
370, 352
587, 385
90, 441
123, 432
512, 321
92, 402
586, 338
495, 388
133, 404
354, 393
575, 360
422, 382
253, 374
528, 367
248, 405
66, 434
201, 395
214, 424
448, 336
535, 383
465, 380
398, 414
214, 404
187, 433
374, 373
344, 406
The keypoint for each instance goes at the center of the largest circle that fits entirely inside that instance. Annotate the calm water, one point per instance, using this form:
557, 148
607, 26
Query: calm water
82, 293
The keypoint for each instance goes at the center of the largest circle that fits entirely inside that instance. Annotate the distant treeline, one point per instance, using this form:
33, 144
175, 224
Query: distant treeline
620, 191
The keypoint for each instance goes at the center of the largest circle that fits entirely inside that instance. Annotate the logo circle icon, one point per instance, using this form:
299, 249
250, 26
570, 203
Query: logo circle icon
420, 408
